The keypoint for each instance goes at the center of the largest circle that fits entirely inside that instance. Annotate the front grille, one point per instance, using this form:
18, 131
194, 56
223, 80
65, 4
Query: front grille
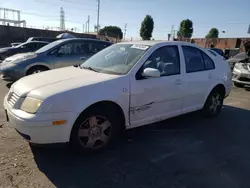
12, 98
244, 79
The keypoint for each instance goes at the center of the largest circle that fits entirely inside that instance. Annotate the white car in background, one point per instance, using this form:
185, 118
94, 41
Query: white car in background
124, 86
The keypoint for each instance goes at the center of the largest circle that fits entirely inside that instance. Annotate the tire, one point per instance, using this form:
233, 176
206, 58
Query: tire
238, 85
213, 103
95, 130
36, 69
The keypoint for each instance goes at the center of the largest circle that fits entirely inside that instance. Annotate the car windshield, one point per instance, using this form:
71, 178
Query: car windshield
116, 59
48, 46
241, 55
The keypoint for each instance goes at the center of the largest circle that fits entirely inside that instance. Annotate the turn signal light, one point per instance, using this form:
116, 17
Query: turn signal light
59, 122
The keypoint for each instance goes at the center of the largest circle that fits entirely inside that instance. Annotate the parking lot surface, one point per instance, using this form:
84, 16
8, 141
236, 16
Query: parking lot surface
187, 151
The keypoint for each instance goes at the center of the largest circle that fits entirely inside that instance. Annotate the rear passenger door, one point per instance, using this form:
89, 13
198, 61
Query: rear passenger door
199, 77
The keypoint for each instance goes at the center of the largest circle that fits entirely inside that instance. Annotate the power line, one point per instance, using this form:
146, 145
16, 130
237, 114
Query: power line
51, 19
58, 4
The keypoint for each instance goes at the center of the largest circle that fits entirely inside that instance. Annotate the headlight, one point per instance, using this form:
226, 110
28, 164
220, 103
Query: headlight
238, 65
30, 105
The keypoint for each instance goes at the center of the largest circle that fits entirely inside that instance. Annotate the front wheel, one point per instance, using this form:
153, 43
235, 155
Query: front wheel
213, 103
95, 129
36, 70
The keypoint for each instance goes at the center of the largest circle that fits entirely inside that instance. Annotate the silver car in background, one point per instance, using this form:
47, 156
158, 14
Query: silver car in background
241, 74
61, 53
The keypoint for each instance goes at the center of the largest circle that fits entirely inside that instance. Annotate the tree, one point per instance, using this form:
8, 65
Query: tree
186, 29
147, 27
111, 31
213, 33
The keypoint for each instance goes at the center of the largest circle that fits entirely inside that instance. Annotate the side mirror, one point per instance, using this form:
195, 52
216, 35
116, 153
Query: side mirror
151, 73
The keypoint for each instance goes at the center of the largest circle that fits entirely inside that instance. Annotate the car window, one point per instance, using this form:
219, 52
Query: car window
89, 47
209, 63
66, 49
30, 46
193, 59
166, 60
40, 45
80, 48
97, 46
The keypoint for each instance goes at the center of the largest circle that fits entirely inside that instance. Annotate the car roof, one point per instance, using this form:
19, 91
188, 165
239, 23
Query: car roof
157, 42
85, 39
34, 41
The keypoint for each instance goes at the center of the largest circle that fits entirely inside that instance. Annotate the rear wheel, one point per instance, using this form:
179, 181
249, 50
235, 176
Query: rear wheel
213, 103
95, 129
37, 69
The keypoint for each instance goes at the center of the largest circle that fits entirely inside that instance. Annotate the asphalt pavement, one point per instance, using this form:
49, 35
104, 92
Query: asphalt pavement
187, 151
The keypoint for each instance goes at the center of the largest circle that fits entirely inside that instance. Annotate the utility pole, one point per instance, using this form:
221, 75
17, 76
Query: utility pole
125, 30
98, 15
87, 25
83, 28
88, 22
62, 19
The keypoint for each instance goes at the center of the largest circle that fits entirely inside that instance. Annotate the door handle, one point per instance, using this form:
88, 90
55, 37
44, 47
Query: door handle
178, 82
210, 76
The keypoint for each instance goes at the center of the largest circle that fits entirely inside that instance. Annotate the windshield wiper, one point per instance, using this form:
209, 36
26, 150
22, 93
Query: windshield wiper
90, 68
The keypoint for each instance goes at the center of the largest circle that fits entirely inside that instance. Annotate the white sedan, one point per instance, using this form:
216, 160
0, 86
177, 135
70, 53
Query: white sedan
124, 86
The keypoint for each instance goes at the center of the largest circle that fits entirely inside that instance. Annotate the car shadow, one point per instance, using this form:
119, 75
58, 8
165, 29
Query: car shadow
187, 151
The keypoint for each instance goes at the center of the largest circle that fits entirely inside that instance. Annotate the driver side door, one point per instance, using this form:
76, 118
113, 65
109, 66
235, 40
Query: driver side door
157, 98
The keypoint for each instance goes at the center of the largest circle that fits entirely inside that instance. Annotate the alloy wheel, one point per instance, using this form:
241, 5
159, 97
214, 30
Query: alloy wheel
36, 71
216, 103
95, 132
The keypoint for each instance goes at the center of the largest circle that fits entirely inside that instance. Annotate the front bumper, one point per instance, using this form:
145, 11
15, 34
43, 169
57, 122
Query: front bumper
38, 128
241, 77
12, 72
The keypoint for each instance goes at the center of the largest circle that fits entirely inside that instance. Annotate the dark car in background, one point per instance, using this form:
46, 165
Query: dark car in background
46, 39
61, 53
21, 48
218, 51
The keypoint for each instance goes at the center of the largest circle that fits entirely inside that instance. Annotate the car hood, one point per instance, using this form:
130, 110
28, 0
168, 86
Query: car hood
234, 60
59, 80
20, 57
6, 49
